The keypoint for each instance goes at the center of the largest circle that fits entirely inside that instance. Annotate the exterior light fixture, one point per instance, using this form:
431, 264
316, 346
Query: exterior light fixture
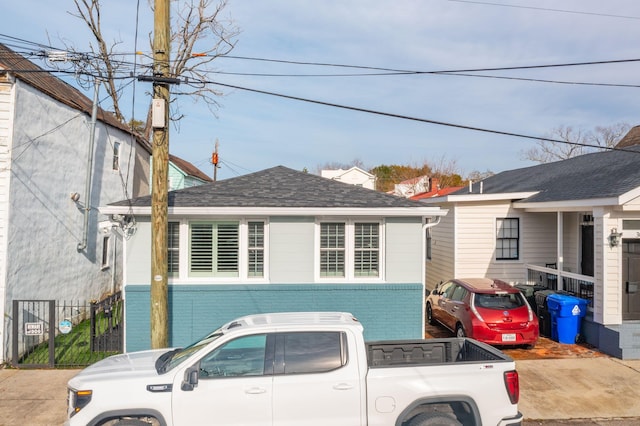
614, 237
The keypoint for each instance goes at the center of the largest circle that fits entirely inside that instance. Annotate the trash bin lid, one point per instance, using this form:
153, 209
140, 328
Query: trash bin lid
565, 305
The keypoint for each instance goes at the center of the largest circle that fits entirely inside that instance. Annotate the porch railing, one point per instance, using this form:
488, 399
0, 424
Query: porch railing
578, 285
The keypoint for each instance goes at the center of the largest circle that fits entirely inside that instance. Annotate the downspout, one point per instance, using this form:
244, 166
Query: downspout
88, 180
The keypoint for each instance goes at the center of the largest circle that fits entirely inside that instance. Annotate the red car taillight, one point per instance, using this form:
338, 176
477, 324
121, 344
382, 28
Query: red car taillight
512, 383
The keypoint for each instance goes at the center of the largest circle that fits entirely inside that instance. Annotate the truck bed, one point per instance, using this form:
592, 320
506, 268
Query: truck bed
432, 351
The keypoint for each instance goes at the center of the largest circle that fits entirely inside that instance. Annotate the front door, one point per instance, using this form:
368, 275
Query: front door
586, 262
631, 279
234, 387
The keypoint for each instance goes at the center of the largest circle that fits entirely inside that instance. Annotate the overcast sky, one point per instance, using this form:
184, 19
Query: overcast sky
257, 131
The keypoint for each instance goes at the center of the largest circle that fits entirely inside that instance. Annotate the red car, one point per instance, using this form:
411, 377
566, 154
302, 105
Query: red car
485, 309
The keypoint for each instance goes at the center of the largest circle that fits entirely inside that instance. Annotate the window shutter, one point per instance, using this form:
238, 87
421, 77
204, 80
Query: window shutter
201, 247
227, 253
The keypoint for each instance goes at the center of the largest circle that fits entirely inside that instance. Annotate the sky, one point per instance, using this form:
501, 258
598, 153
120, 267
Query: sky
425, 118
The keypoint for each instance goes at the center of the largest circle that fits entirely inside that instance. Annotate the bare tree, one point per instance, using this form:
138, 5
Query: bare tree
569, 142
199, 34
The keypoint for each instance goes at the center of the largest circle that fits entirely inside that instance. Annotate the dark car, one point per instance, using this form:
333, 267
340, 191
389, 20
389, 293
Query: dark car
485, 309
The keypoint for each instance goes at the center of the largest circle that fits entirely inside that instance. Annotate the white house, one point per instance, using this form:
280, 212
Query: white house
54, 244
353, 176
571, 225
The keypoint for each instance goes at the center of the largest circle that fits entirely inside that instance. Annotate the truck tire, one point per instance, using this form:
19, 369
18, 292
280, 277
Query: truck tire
434, 419
460, 331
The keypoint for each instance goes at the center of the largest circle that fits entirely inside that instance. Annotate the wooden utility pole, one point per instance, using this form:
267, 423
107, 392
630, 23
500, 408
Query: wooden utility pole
160, 181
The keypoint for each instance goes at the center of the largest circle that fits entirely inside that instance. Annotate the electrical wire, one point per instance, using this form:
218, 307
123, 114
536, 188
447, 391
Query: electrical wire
546, 9
422, 120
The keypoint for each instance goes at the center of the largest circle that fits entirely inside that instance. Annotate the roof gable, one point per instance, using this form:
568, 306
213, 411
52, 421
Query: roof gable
188, 169
42, 80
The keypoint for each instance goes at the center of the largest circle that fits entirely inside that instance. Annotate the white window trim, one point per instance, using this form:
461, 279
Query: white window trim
495, 240
243, 269
349, 250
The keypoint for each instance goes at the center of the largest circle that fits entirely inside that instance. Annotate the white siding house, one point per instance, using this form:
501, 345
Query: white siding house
572, 225
47, 250
353, 176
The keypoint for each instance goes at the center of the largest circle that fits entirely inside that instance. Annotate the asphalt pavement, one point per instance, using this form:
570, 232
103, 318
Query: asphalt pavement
583, 388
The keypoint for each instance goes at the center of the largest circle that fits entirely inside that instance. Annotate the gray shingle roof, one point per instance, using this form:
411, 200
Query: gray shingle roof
278, 187
597, 175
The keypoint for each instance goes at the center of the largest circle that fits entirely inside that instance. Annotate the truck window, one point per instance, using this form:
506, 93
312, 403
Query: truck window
243, 356
312, 352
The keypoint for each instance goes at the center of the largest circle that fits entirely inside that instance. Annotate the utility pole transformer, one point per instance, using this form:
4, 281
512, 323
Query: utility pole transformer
160, 181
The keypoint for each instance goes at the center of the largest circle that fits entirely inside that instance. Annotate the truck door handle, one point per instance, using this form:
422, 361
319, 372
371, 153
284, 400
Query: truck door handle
255, 391
343, 386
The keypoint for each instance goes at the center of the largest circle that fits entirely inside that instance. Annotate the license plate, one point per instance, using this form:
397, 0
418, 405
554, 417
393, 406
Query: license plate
509, 337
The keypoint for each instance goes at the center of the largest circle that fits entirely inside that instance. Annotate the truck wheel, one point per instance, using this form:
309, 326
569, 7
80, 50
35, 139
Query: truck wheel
430, 319
434, 419
460, 331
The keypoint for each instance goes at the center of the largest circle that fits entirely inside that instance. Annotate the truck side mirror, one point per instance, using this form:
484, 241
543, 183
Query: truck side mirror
190, 379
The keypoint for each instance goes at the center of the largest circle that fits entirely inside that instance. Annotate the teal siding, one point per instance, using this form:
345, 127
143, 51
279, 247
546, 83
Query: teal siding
387, 311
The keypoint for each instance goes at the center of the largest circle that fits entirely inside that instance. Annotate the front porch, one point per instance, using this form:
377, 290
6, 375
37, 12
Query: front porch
618, 340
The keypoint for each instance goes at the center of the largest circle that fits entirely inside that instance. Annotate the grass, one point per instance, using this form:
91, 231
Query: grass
72, 349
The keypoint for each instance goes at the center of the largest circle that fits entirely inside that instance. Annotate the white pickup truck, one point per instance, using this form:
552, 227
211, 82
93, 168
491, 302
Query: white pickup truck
294, 369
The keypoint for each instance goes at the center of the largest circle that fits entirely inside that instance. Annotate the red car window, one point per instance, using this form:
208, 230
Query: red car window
499, 301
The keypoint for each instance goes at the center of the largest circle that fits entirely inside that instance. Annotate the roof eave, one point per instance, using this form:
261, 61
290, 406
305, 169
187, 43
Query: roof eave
567, 205
281, 211
479, 197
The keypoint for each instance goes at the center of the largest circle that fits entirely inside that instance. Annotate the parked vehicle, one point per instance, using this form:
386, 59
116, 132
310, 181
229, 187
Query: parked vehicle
491, 311
300, 369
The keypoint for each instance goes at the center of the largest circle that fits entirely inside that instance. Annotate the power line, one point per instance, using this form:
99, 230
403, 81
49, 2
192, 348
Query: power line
546, 9
422, 120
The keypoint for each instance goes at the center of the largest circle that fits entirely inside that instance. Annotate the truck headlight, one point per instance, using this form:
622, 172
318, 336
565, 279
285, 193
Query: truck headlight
78, 399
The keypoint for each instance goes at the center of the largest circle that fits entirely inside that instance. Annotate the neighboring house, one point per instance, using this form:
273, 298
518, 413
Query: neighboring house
410, 187
435, 190
354, 176
53, 242
183, 174
571, 225
279, 240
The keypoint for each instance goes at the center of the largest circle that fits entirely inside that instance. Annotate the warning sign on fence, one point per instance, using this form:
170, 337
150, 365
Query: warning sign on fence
33, 328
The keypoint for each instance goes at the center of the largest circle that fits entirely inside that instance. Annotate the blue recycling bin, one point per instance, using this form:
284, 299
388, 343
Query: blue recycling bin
566, 316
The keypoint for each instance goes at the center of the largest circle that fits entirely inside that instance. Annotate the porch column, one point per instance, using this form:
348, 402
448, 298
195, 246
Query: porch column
559, 247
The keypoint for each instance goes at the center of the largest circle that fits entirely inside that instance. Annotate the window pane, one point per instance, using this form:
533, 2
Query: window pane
312, 352
201, 247
332, 239
256, 249
366, 250
173, 254
507, 239
243, 356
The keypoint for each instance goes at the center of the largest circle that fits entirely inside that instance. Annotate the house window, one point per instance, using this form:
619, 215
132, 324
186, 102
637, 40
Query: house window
507, 239
105, 251
349, 250
255, 249
332, 249
214, 249
116, 156
173, 254
366, 247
